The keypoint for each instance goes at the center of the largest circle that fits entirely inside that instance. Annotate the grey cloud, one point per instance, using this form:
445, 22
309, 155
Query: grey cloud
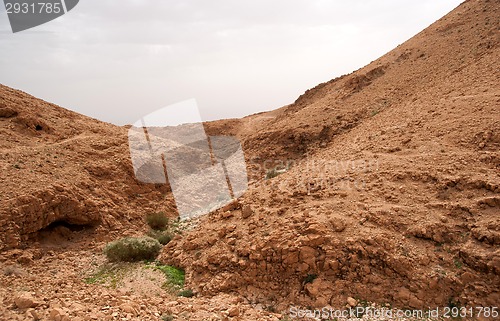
117, 60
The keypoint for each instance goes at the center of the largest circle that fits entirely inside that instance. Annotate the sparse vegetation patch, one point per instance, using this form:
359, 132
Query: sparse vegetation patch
175, 277
187, 293
157, 221
131, 249
108, 274
162, 236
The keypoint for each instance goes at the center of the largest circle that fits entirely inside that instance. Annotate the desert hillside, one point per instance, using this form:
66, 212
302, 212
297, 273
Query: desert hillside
393, 195
60, 168
386, 190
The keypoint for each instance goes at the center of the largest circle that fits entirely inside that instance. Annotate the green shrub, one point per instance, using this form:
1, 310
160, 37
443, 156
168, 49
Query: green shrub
187, 293
162, 236
130, 249
157, 221
167, 317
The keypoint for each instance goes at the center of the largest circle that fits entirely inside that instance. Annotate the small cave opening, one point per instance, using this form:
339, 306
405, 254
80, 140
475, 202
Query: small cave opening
38, 127
61, 230
63, 225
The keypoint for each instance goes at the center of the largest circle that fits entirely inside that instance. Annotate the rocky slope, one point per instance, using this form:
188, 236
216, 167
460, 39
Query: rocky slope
393, 195
62, 168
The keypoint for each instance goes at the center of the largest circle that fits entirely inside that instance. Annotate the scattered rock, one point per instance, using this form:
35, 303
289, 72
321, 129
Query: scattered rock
246, 211
231, 206
308, 256
233, 311
31, 313
7, 112
25, 259
352, 302
129, 308
338, 225
492, 201
57, 314
227, 214
25, 301
415, 303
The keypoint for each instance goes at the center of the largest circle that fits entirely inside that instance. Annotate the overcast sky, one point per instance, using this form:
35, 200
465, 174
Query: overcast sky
119, 60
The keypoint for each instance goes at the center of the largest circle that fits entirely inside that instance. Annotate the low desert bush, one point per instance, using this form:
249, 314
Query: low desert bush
167, 317
162, 236
187, 293
131, 249
157, 221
